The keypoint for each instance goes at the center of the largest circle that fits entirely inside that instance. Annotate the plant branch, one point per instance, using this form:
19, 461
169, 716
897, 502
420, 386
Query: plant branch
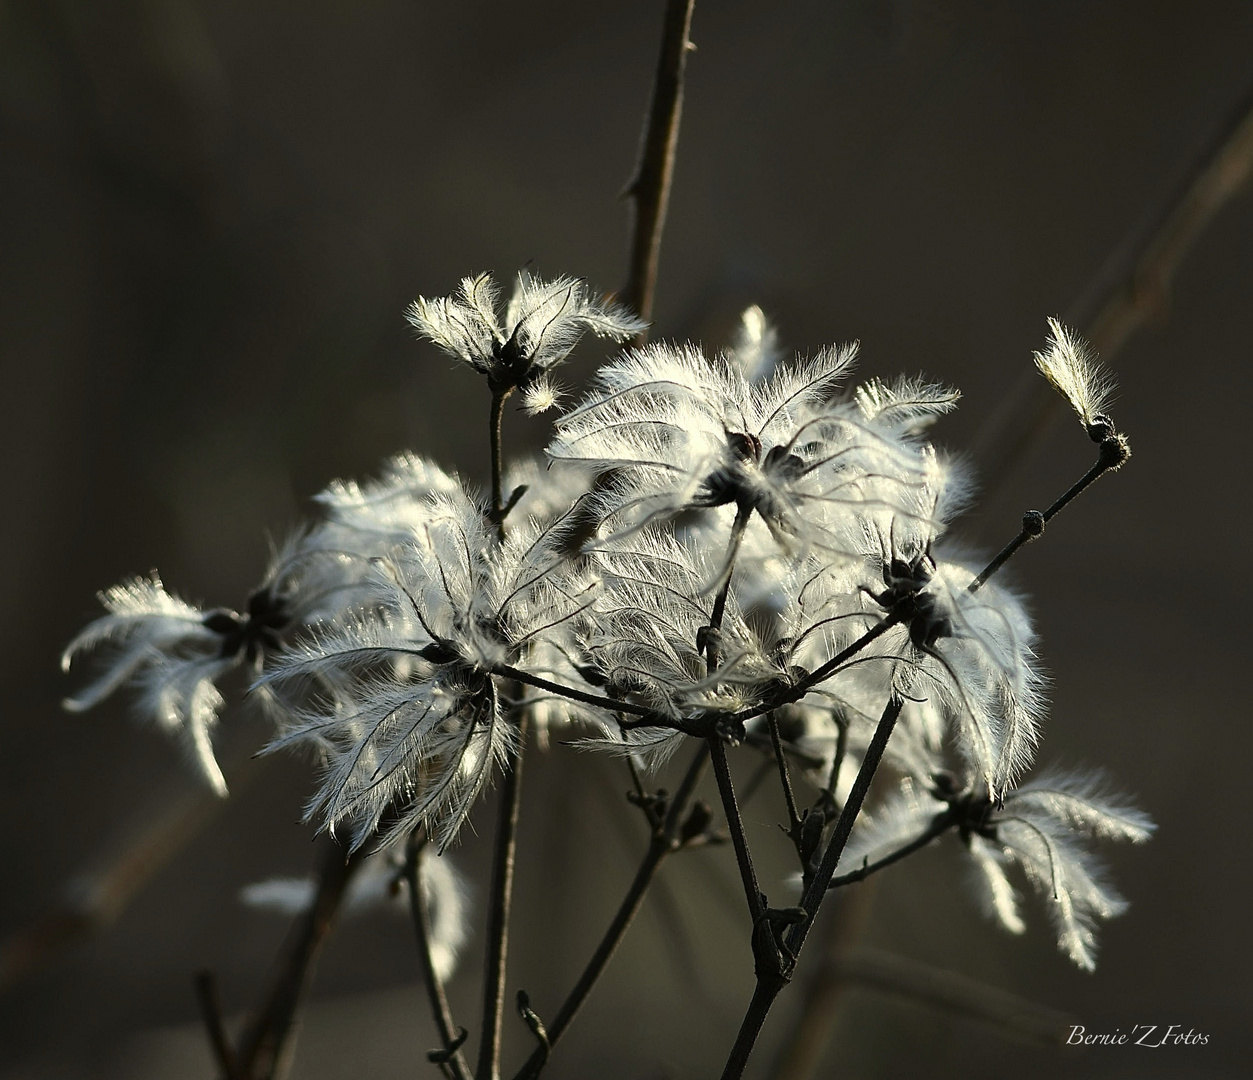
743, 857
264, 1048
498, 916
942, 822
211, 1010
664, 841
448, 1030
1112, 455
649, 189
495, 420
769, 984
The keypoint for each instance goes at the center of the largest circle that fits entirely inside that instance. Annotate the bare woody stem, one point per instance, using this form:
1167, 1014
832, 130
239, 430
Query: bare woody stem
770, 983
943, 821
1113, 453
730, 807
211, 1010
495, 420
664, 842
448, 1031
264, 1047
498, 917
649, 189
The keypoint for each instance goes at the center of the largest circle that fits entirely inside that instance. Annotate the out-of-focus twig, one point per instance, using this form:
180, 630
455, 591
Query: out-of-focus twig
264, 1048
649, 188
450, 1053
207, 996
954, 993
97, 898
1132, 288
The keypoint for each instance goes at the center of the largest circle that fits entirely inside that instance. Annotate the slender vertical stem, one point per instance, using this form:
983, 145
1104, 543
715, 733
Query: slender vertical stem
713, 649
265, 1045
785, 777
663, 843
495, 419
498, 916
726, 789
649, 189
211, 1010
434, 984
770, 983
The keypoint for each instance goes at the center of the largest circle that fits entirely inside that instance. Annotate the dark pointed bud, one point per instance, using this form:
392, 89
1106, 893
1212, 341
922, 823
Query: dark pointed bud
1101, 428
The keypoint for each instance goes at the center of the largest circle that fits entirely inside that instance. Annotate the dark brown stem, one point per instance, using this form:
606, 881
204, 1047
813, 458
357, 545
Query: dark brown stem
498, 915
264, 1050
713, 650
1103, 465
649, 189
448, 1031
770, 983
495, 420
944, 821
743, 857
785, 777
207, 996
664, 841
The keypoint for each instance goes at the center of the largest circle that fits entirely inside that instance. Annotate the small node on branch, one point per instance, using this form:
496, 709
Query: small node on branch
1032, 524
1115, 451
443, 1057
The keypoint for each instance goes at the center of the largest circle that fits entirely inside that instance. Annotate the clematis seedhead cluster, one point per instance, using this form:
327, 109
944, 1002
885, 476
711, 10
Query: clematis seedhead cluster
711, 544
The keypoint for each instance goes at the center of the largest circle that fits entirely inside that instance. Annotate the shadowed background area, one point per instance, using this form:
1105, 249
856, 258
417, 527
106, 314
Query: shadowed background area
212, 216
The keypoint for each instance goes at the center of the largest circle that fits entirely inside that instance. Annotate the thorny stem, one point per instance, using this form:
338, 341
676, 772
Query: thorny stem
1106, 462
498, 916
649, 189
664, 842
263, 1052
770, 983
456, 1063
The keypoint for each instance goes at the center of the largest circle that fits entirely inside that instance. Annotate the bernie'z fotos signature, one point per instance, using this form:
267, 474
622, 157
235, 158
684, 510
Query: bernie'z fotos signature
1153, 1036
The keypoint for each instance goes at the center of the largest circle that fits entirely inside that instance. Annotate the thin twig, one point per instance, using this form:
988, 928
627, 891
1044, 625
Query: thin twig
264, 1048
498, 915
495, 420
649, 189
952, 992
663, 842
785, 777
211, 1010
943, 821
743, 857
771, 982
448, 1030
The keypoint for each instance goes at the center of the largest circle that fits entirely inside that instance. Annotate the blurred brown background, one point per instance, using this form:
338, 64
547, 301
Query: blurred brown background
211, 218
